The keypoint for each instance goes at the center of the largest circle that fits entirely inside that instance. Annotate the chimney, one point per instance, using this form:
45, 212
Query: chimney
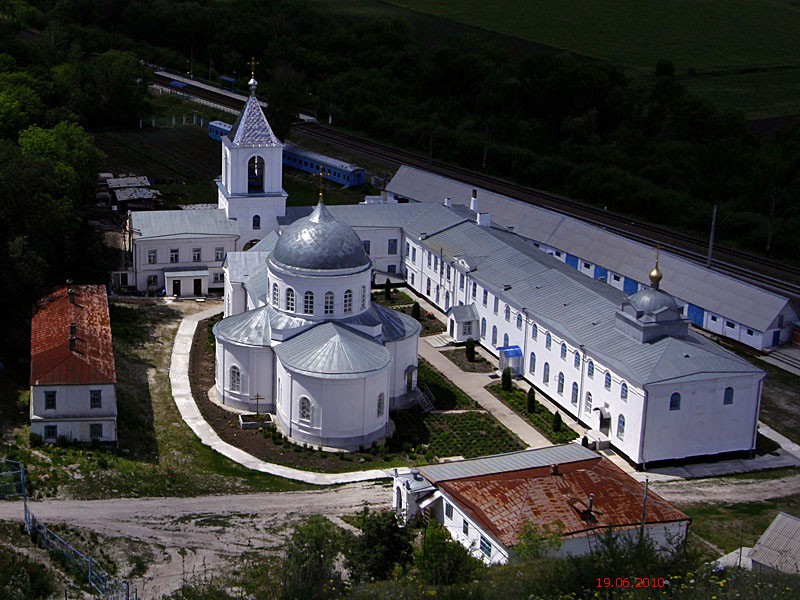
484, 219
71, 294
72, 343
591, 502
473, 202
448, 202
415, 474
73, 329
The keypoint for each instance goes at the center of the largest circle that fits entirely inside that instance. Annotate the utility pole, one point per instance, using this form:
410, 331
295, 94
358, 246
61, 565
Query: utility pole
711, 237
771, 220
644, 509
485, 146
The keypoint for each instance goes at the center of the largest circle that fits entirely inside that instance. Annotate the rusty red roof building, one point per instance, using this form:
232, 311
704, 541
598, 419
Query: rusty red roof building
71, 338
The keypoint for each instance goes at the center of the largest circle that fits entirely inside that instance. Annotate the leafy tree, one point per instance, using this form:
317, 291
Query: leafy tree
470, 349
307, 570
531, 400
282, 92
538, 541
382, 545
505, 380
443, 561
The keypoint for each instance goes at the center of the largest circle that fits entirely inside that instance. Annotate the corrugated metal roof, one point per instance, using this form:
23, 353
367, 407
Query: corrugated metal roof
691, 282
779, 546
463, 313
506, 463
251, 128
53, 362
333, 351
501, 503
182, 224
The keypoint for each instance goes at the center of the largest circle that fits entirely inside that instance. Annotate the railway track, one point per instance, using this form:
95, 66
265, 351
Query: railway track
766, 273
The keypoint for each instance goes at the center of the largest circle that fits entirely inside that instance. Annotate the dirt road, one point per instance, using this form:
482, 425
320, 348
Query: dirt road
195, 536
726, 490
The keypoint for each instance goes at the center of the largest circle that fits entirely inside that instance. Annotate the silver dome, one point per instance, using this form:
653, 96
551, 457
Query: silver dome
652, 300
320, 242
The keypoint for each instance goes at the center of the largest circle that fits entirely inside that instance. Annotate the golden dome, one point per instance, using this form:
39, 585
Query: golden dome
655, 275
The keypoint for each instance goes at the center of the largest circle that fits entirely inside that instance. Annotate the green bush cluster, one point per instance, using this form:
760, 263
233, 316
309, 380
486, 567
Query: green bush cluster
541, 418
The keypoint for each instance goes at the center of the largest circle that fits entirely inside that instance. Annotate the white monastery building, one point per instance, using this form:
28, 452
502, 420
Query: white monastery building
73, 377
302, 339
485, 503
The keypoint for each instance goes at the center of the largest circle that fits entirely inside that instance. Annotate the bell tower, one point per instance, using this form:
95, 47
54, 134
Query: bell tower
250, 189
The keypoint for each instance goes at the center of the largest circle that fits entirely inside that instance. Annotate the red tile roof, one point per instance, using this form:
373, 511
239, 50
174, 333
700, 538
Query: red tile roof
53, 362
502, 502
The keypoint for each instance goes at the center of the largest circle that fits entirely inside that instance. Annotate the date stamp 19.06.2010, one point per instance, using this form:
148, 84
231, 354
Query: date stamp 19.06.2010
630, 582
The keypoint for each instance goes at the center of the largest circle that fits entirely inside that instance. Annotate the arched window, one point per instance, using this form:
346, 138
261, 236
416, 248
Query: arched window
276, 296
577, 359
728, 397
308, 303
328, 307
256, 222
505, 339
236, 379
508, 313
532, 363
255, 175
494, 335
519, 321
380, 404
623, 391
621, 427
290, 299
534, 331
675, 401
548, 341
590, 369
587, 405
561, 383
305, 409
446, 300
575, 394
607, 381
546, 373
348, 301
483, 329
563, 351
363, 296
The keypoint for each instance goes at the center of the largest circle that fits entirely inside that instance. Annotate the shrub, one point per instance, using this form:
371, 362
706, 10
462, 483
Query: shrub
387, 290
442, 560
415, 311
585, 442
470, 350
35, 440
505, 381
557, 422
531, 400
63, 441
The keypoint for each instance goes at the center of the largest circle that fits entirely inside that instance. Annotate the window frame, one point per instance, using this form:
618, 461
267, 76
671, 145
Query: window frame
95, 399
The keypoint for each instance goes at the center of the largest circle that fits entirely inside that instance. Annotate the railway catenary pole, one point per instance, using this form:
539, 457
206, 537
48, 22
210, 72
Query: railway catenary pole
711, 237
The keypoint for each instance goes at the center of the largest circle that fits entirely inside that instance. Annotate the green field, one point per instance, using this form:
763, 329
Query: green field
712, 33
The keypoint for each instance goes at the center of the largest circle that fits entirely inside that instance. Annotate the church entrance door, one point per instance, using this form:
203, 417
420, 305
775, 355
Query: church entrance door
605, 425
198, 287
176, 287
452, 327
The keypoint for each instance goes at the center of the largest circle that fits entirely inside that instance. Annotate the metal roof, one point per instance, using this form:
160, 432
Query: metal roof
319, 242
182, 224
779, 546
250, 328
691, 282
333, 351
506, 463
91, 360
243, 265
251, 128
463, 313
267, 243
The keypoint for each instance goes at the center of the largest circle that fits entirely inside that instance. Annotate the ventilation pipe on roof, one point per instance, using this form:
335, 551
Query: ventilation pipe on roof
415, 474
484, 219
591, 502
448, 202
554, 469
473, 202
71, 294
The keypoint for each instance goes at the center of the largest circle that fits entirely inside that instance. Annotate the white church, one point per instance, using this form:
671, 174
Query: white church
302, 340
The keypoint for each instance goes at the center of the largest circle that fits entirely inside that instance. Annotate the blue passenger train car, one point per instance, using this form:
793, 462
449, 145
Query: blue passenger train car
216, 129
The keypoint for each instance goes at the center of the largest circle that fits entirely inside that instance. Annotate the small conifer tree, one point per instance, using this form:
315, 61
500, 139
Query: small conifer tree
585, 442
387, 290
470, 350
505, 381
415, 311
531, 401
557, 422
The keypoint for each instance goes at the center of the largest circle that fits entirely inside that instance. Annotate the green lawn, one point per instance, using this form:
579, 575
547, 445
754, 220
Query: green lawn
637, 34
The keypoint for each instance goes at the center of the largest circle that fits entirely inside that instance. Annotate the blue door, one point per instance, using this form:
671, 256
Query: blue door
696, 314
600, 273
776, 337
630, 286
572, 261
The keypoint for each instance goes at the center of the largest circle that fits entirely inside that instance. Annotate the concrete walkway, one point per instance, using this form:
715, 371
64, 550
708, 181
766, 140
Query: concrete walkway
182, 393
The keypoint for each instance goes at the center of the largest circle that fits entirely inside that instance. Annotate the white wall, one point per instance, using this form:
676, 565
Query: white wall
256, 376
73, 414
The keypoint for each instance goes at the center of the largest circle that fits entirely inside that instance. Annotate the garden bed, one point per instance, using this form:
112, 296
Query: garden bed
430, 324
541, 419
398, 298
479, 365
447, 396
